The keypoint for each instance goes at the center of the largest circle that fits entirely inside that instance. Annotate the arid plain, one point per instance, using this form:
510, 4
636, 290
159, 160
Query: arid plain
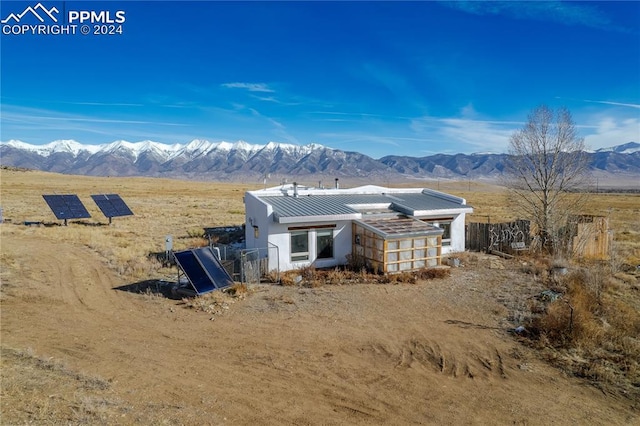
76, 349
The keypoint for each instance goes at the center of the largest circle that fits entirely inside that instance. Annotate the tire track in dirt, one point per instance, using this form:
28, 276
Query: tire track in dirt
472, 362
64, 272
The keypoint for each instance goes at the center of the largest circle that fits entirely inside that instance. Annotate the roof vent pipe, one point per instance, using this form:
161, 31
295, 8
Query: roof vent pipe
295, 189
337, 184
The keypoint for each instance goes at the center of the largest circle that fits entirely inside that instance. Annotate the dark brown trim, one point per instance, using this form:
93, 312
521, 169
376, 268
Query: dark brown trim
302, 228
435, 219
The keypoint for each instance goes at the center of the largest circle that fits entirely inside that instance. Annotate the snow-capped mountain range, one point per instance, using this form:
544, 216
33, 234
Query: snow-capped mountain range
193, 149
196, 159
627, 148
201, 159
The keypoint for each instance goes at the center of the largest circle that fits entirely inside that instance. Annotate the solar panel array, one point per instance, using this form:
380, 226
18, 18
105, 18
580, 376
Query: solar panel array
203, 269
112, 205
66, 206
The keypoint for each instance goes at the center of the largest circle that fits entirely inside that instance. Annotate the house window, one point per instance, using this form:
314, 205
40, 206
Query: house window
446, 235
324, 244
445, 225
299, 245
256, 232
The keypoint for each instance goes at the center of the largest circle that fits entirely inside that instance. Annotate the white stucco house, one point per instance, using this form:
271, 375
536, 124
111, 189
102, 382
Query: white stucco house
391, 229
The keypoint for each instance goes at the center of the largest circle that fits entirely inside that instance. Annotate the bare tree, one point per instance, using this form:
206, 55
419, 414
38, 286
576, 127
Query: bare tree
546, 169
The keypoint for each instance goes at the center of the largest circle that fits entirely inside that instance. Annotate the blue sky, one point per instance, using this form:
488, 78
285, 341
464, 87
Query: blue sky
406, 78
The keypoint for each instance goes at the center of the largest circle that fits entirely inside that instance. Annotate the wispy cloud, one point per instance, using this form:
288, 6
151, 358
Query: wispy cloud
351, 114
36, 116
275, 100
357, 118
278, 129
35, 119
614, 103
83, 103
562, 12
107, 104
251, 87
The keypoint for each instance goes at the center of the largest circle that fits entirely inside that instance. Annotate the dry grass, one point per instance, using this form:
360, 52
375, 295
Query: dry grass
217, 302
162, 207
42, 389
600, 341
312, 277
622, 210
592, 332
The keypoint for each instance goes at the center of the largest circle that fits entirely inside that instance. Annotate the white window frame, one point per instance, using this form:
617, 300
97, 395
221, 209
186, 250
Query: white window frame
299, 256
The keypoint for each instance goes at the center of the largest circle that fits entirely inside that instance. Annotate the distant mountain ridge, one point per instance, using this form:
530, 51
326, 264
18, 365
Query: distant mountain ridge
201, 159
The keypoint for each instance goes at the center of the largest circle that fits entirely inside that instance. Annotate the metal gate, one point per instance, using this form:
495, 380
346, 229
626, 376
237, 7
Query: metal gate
250, 266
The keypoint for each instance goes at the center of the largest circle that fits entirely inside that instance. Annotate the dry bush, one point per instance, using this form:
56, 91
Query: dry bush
274, 276
289, 278
195, 232
433, 273
356, 262
572, 318
591, 331
216, 302
626, 278
466, 258
337, 276
404, 278
238, 290
312, 277
623, 319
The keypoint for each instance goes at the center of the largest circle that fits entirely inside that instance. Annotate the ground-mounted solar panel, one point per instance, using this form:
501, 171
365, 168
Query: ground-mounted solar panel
66, 207
111, 205
203, 270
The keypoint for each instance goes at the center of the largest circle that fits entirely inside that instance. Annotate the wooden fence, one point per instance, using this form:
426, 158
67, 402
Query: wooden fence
506, 237
590, 236
584, 236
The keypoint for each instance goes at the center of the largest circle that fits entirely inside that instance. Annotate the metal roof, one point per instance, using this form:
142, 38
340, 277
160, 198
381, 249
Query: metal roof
351, 205
424, 201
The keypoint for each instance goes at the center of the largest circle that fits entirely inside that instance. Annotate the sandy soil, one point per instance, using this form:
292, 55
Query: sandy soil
78, 350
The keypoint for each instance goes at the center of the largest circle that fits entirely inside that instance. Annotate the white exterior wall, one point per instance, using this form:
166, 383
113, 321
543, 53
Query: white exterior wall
280, 236
457, 235
271, 233
260, 214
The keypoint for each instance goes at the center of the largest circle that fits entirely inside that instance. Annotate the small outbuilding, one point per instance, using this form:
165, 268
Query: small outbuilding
390, 229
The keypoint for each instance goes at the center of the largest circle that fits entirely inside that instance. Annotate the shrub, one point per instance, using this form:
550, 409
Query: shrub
238, 290
195, 233
312, 277
433, 273
591, 331
356, 262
